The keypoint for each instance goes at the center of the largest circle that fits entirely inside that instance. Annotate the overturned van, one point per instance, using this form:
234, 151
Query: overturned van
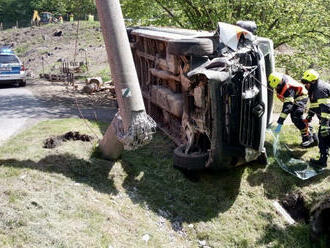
207, 91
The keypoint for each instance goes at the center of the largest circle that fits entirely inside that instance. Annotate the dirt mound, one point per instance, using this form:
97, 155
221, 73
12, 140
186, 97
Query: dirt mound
294, 204
53, 142
76, 136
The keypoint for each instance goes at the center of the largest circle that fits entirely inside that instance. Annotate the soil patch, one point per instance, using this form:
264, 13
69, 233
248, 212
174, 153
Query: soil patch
294, 204
52, 142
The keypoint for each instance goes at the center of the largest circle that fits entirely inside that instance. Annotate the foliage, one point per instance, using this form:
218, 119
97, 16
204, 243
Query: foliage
13, 10
22, 10
54, 6
283, 21
302, 24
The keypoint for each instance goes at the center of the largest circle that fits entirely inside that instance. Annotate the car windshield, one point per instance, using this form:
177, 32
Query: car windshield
8, 59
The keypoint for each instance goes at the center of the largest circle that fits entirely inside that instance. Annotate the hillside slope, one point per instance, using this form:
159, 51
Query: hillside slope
43, 52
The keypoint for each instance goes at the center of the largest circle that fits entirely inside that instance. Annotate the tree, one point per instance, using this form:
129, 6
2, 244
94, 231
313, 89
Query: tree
303, 24
13, 10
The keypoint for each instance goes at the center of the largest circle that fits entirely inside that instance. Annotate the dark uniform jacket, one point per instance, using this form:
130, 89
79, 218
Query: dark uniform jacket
319, 96
289, 92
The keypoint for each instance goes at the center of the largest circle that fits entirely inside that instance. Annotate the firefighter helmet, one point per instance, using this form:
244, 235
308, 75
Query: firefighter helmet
310, 76
275, 79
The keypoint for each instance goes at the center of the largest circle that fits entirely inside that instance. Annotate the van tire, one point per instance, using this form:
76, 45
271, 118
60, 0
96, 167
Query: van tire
193, 161
191, 47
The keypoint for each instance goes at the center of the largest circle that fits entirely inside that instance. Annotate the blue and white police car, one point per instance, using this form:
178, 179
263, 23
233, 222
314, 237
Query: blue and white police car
11, 68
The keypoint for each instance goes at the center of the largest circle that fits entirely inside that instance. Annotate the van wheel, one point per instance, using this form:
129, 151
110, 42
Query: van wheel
194, 46
192, 161
22, 83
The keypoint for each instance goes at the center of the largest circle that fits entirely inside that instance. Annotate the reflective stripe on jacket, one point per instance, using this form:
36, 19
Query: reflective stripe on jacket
319, 95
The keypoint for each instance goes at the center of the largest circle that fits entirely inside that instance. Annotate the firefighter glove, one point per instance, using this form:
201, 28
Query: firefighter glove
278, 129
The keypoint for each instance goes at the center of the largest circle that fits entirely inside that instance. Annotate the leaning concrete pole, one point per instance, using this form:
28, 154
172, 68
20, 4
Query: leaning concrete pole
131, 126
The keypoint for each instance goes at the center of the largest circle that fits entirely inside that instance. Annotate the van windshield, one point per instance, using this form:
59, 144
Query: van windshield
8, 59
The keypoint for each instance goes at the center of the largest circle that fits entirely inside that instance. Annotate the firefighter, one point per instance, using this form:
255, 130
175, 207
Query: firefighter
294, 97
319, 95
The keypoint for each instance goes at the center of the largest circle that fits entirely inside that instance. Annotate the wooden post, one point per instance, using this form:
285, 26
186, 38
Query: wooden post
76, 43
43, 67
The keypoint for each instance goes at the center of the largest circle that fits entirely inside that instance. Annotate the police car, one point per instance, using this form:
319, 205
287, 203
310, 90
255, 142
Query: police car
11, 68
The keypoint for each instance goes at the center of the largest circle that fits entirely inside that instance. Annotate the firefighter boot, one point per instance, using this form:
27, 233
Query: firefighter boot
321, 163
307, 141
314, 135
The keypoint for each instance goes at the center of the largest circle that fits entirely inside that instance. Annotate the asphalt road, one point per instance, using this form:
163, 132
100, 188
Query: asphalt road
20, 109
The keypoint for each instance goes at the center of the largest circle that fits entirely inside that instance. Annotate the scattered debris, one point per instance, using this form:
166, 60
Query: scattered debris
146, 237
22, 177
96, 85
202, 242
53, 142
58, 33
279, 209
95, 80
294, 204
93, 85
45, 37
36, 204
77, 136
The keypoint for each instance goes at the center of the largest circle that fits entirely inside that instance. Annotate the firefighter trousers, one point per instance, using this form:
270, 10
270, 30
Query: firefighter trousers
297, 113
324, 144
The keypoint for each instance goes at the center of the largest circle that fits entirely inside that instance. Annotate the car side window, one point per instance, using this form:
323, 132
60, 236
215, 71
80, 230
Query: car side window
8, 59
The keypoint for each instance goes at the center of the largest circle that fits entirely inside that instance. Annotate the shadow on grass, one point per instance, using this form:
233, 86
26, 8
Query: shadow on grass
151, 181
169, 194
93, 173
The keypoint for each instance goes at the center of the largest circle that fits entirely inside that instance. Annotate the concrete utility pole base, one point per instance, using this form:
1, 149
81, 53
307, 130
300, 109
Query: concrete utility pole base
133, 127
110, 146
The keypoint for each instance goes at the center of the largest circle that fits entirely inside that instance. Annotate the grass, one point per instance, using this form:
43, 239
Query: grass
21, 50
105, 74
67, 197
